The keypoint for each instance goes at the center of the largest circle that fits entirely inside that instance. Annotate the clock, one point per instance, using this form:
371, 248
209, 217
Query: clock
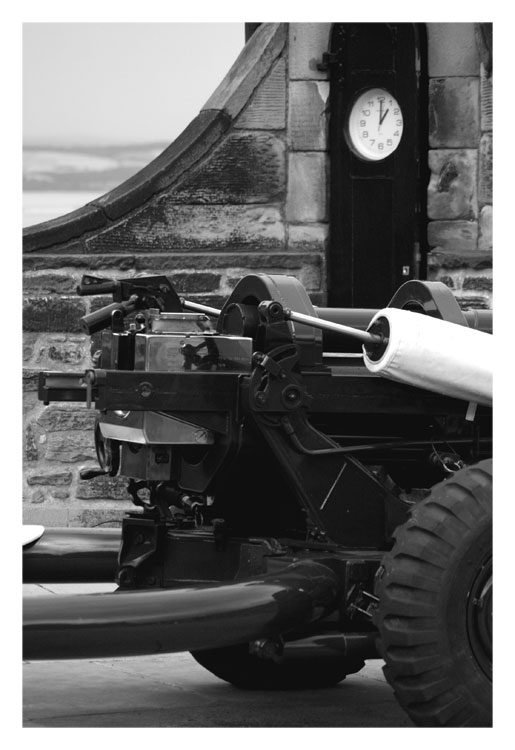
374, 125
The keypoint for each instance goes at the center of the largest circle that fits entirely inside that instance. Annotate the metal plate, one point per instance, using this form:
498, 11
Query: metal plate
151, 427
192, 353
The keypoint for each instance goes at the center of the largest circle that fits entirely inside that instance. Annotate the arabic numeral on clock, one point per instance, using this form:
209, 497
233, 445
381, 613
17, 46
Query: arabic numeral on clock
398, 123
380, 146
389, 142
396, 111
362, 123
366, 112
364, 134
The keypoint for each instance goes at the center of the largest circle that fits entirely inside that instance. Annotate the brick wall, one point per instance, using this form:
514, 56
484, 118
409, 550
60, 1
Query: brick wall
460, 160
242, 190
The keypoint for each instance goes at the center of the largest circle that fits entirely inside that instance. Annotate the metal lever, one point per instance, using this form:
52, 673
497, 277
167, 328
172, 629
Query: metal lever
92, 473
100, 319
196, 307
89, 380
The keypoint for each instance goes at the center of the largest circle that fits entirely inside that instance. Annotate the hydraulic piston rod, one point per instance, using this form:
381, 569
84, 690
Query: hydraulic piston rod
326, 325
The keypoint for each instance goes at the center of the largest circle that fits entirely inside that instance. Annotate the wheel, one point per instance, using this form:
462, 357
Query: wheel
435, 604
247, 671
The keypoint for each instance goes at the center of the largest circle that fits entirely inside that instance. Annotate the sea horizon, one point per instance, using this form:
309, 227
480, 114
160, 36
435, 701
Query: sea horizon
60, 178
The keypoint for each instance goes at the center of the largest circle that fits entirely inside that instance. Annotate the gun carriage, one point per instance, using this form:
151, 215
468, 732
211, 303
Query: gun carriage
297, 510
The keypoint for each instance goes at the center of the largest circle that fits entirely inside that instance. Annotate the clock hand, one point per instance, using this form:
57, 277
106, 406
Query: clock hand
381, 118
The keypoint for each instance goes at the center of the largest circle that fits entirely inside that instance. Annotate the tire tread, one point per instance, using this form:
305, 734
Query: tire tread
408, 616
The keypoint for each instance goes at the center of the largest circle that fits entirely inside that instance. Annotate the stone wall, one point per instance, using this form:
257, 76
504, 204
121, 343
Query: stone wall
243, 189
460, 160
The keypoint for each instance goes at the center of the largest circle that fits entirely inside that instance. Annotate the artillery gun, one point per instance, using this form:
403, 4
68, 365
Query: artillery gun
312, 488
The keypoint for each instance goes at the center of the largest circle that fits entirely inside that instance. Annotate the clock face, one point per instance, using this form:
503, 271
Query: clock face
375, 125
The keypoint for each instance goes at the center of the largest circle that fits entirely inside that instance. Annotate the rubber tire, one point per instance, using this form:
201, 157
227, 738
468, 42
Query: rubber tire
246, 671
427, 617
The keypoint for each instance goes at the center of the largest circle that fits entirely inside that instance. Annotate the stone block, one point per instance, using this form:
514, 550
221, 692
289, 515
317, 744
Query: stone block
485, 187
58, 494
452, 50
52, 478
69, 446
308, 238
35, 497
58, 419
30, 379
30, 404
60, 351
247, 167
308, 115
108, 488
29, 345
484, 40
307, 188
52, 314
195, 282
457, 237
447, 280
454, 112
310, 276
450, 261
485, 242
486, 102
31, 451
308, 42
474, 302
168, 228
451, 192
477, 283
48, 283
267, 107
111, 264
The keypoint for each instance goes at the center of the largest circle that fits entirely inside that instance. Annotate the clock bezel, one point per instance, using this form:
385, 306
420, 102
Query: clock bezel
351, 130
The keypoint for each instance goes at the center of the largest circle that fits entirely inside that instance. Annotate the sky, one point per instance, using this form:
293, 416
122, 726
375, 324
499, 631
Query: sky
120, 82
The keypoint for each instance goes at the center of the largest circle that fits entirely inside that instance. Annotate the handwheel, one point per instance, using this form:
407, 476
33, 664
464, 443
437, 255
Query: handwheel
435, 604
